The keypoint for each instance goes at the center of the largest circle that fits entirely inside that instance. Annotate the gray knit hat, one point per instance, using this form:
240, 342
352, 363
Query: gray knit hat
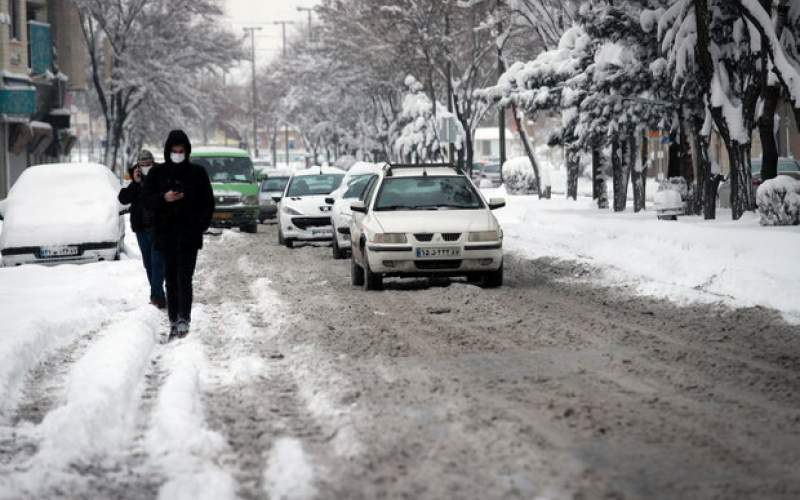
146, 155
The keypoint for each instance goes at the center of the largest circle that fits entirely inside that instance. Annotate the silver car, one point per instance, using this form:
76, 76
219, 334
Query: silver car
272, 186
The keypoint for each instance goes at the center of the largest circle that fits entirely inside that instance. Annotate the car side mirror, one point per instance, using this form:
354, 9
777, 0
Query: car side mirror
359, 206
330, 201
496, 203
277, 199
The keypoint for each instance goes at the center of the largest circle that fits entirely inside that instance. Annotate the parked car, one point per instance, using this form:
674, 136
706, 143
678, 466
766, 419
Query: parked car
303, 214
786, 166
354, 187
62, 213
235, 187
425, 221
490, 176
272, 186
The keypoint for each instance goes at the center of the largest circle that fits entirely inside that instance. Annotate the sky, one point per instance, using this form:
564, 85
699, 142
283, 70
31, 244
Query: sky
262, 13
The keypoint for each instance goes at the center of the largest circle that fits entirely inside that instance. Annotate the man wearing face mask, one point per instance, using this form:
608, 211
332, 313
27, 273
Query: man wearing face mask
142, 223
180, 195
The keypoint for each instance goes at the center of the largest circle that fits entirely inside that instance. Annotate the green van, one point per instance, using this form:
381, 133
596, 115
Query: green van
235, 187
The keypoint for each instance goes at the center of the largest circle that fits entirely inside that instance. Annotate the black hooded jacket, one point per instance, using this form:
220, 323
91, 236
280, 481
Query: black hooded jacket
181, 223
132, 194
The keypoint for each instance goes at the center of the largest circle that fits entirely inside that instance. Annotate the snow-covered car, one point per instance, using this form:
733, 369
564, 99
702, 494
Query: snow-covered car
354, 187
62, 213
273, 185
425, 221
303, 214
490, 176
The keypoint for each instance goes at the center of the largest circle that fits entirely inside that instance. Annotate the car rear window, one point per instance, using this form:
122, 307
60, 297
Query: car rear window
427, 193
227, 169
314, 185
274, 184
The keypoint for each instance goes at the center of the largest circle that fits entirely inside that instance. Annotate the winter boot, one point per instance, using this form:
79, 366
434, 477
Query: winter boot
173, 330
183, 328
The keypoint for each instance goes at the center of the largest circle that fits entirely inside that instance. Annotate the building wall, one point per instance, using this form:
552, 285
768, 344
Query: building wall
71, 55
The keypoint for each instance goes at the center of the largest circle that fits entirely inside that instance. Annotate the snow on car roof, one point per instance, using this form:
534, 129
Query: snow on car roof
205, 151
416, 172
317, 170
363, 168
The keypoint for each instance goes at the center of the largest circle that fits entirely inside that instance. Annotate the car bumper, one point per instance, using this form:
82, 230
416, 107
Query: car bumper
341, 229
299, 229
401, 260
234, 217
85, 257
268, 211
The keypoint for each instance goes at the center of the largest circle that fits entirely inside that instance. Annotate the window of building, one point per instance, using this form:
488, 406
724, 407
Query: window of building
13, 13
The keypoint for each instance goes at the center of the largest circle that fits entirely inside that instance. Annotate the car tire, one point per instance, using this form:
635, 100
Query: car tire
372, 281
493, 279
250, 228
281, 241
338, 253
356, 273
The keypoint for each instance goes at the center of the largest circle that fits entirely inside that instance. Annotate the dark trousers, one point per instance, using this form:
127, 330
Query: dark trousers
153, 264
179, 264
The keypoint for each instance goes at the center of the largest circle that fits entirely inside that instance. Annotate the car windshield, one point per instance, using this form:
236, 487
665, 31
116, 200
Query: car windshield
314, 185
427, 193
227, 169
274, 185
356, 186
491, 169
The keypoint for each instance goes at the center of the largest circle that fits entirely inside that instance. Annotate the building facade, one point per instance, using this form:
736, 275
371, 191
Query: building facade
41, 62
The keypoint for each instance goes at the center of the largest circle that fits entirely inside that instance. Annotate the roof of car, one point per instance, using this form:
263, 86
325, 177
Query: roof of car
212, 151
418, 172
318, 170
271, 174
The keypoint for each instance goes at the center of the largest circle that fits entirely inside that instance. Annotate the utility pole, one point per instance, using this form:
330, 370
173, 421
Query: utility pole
502, 119
309, 11
450, 146
285, 126
252, 32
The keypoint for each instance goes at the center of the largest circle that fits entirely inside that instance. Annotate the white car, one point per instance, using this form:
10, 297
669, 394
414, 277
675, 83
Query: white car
425, 221
273, 185
62, 213
303, 214
354, 187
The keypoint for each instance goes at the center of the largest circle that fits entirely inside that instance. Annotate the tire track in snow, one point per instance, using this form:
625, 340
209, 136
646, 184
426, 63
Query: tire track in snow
84, 441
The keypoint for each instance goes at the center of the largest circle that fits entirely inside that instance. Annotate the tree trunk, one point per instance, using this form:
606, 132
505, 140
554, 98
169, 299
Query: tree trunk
599, 179
573, 172
740, 184
674, 162
621, 173
639, 175
766, 130
529, 151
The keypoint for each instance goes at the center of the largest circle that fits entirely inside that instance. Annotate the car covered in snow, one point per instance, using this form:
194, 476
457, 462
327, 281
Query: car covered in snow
425, 221
62, 213
233, 179
354, 187
303, 214
272, 185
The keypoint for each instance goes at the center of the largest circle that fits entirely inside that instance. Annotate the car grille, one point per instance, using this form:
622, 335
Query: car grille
227, 200
306, 222
424, 237
451, 236
431, 265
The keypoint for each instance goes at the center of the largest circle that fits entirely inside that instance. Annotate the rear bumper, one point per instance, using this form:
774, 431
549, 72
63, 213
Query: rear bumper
20, 256
234, 217
401, 260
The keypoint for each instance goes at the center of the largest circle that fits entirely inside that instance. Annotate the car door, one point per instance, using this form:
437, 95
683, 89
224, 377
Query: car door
358, 218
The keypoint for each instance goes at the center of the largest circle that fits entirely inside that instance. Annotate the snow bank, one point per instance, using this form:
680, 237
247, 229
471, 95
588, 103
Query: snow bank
779, 201
43, 309
289, 475
62, 204
179, 440
519, 176
735, 263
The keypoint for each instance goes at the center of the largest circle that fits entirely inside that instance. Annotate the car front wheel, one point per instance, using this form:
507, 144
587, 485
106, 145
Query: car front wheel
493, 279
356, 274
338, 253
372, 281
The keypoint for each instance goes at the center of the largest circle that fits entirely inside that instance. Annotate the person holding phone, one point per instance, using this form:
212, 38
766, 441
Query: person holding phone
142, 223
180, 195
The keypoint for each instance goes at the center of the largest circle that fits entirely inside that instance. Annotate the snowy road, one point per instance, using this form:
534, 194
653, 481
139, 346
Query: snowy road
294, 385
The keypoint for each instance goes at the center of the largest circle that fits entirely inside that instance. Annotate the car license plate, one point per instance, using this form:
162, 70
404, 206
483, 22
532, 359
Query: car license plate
438, 253
60, 251
223, 216
322, 232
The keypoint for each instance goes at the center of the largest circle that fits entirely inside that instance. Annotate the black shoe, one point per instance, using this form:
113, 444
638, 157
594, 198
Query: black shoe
182, 328
173, 330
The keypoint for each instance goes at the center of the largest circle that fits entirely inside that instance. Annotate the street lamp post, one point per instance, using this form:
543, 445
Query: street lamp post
309, 10
252, 32
286, 126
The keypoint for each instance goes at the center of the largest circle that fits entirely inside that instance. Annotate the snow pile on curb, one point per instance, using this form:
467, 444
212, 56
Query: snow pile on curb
779, 201
737, 263
43, 309
289, 474
179, 440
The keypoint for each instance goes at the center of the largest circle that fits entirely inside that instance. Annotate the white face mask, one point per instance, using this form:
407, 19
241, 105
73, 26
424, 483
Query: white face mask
177, 157
146, 170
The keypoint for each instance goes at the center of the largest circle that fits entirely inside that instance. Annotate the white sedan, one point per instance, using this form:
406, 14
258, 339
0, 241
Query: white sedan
303, 214
354, 187
425, 221
62, 213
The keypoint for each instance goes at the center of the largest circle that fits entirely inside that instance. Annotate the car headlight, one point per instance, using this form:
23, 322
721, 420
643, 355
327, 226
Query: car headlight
482, 236
389, 238
250, 200
291, 211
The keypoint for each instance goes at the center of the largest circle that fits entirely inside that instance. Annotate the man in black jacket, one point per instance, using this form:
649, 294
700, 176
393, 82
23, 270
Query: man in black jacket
179, 194
142, 224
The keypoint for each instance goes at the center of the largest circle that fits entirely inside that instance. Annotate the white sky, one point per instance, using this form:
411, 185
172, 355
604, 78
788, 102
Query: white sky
262, 13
